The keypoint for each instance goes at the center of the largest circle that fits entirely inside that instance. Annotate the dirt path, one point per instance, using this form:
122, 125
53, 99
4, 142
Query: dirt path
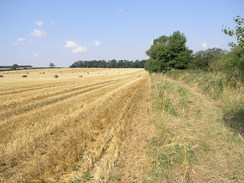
133, 159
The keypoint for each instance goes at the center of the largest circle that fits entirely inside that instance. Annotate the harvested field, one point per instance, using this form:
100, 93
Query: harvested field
68, 128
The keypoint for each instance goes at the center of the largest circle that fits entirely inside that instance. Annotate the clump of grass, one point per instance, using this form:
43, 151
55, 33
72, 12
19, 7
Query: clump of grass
76, 180
87, 176
170, 158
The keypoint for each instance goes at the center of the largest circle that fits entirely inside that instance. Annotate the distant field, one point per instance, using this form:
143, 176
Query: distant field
57, 121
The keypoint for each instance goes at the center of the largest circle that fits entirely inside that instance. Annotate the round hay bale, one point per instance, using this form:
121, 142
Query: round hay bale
55, 76
24, 76
1, 76
80, 76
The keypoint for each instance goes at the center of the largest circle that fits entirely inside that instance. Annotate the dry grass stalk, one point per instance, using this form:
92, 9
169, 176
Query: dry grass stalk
56, 124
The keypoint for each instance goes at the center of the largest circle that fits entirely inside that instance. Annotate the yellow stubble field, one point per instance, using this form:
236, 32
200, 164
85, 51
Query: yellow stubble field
57, 125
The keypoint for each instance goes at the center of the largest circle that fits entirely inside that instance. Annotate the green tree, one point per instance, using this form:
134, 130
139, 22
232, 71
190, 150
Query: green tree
235, 60
238, 32
168, 52
51, 65
210, 59
14, 67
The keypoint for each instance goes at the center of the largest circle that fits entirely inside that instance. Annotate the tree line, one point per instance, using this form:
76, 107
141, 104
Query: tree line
171, 52
109, 64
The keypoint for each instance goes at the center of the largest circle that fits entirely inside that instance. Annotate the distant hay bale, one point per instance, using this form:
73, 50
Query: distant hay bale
24, 76
80, 76
1, 76
87, 72
55, 76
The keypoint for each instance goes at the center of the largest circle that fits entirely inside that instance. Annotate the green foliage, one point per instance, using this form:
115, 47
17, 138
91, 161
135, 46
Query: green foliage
238, 32
235, 65
210, 59
109, 64
235, 60
168, 52
14, 67
87, 176
153, 65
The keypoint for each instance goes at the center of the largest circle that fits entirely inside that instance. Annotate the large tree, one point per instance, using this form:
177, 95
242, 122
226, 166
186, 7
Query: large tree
210, 59
52, 65
14, 67
168, 52
235, 60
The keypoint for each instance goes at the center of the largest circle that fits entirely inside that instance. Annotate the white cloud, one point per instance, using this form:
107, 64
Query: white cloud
71, 44
80, 49
77, 47
39, 23
21, 39
38, 33
35, 54
204, 45
96, 43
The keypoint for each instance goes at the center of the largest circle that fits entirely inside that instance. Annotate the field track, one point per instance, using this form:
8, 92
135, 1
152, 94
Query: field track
57, 129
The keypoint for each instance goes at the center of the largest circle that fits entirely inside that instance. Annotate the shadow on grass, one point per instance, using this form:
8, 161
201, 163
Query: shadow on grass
235, 120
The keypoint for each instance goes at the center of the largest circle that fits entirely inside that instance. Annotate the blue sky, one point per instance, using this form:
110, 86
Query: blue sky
38, 32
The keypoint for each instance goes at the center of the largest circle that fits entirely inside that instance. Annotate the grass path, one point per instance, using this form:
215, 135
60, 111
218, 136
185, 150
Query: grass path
193, 144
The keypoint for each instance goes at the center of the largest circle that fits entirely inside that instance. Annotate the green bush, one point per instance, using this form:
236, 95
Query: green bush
211, 59
235, 65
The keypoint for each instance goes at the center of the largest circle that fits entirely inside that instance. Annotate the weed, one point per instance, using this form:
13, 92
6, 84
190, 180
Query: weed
76, 167
87, 176
166, 105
